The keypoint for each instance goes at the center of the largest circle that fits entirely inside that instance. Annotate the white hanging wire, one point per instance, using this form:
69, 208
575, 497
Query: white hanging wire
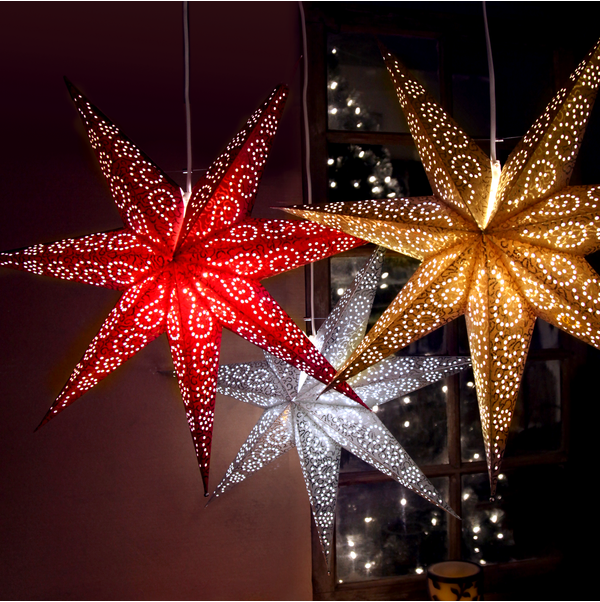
313, 326
493, 157
186, 95
496, 169
492, 86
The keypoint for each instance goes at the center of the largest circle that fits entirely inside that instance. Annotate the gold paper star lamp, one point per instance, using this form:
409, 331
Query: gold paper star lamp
502, 247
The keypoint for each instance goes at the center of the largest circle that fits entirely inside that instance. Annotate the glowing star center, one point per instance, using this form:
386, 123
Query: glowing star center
492, 203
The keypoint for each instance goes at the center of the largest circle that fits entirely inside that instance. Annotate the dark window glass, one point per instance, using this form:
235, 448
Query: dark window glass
536, 423
359, 172
513, 526
360, 95
384, 529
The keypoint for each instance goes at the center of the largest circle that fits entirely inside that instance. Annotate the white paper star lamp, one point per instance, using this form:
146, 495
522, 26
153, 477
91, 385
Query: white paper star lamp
500, 248
319, 425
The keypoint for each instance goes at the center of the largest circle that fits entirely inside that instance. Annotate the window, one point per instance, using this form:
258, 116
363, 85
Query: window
386, 536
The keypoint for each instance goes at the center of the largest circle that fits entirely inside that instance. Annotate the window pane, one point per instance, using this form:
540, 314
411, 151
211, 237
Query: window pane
516, 525
343, 270
384, 530
360, 93
545, 336
359, 172
471, 439
536, 422
396, 271
487, 531
418, 421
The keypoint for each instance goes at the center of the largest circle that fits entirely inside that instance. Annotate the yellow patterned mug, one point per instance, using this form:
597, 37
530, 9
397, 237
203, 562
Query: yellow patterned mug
455, 580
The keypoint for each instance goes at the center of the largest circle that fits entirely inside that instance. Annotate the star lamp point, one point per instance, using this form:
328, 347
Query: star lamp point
501, 247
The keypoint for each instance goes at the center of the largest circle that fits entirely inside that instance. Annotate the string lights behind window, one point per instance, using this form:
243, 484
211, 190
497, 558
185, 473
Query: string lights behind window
502, 249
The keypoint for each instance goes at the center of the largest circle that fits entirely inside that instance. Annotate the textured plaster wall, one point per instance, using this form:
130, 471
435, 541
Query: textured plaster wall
106, 501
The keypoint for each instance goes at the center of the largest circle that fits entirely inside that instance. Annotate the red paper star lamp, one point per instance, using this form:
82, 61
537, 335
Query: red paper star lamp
188, 270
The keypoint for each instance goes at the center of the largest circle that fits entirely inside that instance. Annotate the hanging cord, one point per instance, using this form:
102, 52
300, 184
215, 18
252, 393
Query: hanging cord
186, 98
313, 326
495, 164
305, 104
488, 45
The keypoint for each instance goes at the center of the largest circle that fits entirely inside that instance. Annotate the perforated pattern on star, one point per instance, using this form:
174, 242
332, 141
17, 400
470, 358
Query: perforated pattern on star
226, 193
566, 221
265, 248
500, 324
187, 275
458, 170
138, 318
418, 227
543, 161
288, 376
371, 441
396, 376
344, 329
563, 289
149, 202
320, 462
519, 257
435, 295
271, 437
250, 383
114, 260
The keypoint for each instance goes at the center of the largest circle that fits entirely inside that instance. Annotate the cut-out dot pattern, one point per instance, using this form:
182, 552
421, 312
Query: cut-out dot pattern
226, 192
419, 226
114, 260
149, 202
271, 437
543, 161
563, 289
499, 324
502, 260
566, 221
458, 170
187, 274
